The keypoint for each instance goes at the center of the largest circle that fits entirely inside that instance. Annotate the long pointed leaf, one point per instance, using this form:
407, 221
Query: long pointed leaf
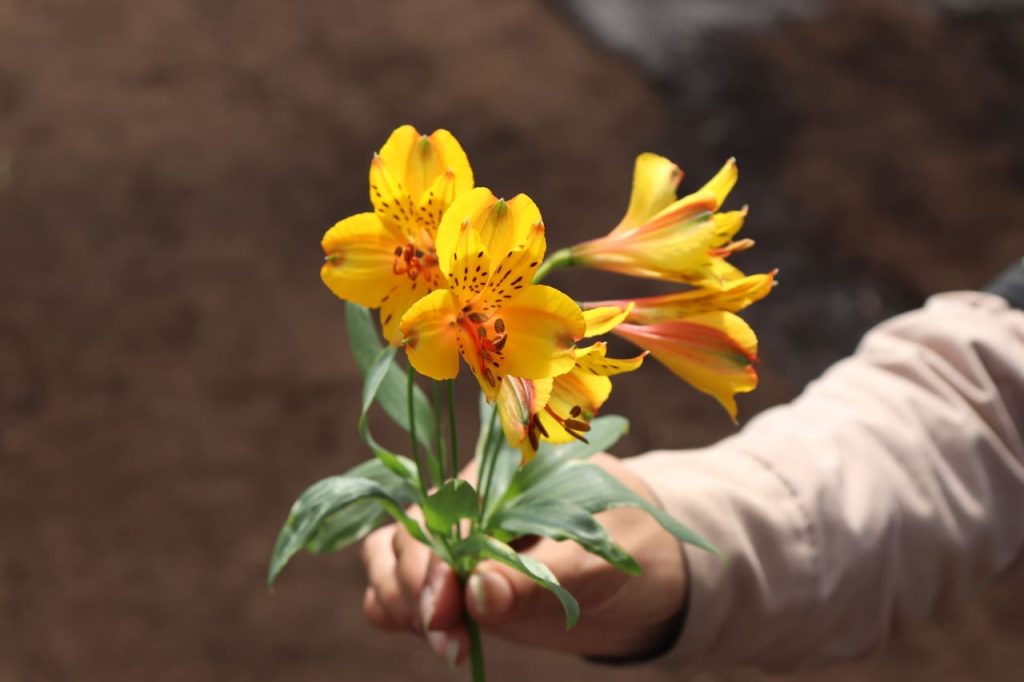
559, 520
391, 395
322, 499
353, 522
535, 571
376, 374
595, 490
604, 433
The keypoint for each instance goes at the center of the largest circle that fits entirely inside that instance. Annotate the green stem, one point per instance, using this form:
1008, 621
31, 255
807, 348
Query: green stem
420, 468
485, 460
492, 457
559, 259
476, 647
438, 434
453, 441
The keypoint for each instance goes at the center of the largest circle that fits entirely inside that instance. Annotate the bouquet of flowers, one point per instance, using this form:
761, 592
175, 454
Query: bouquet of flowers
456, 273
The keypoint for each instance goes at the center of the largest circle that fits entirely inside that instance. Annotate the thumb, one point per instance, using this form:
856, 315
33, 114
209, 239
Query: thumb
498, 595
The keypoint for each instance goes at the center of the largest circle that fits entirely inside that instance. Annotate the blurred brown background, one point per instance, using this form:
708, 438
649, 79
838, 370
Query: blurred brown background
172, 372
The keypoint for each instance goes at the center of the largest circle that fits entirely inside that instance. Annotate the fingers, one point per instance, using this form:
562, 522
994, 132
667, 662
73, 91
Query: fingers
384, 603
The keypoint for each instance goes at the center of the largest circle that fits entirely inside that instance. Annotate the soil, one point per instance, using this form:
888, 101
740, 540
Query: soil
173, 373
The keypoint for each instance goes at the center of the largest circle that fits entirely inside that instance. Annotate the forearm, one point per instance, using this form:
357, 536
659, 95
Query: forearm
893, 487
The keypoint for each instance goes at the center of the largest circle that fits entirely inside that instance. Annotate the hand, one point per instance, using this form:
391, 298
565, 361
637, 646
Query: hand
411, 590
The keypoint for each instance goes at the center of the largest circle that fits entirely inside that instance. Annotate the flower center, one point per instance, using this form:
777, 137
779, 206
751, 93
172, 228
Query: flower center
411, 261
489, 337
574, 426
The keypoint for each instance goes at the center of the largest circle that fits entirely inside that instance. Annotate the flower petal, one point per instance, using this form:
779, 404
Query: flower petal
575, 399
431, 335
723, 182
469, 266
655, 180
518, 401
359, 258
727, 225
391, 202
417, 160
713, 352
604, 318
433, 203
541, 324
516, 269
395, 304
594, 360
461, 216
732, 296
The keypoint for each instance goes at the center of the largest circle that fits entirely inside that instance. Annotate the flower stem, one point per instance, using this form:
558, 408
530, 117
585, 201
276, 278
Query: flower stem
476, 647
492, 457
453, 442
559, 259
438, 433
485, 462
420, 468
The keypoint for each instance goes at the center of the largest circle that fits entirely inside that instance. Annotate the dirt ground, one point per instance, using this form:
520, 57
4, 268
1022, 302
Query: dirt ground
173, 373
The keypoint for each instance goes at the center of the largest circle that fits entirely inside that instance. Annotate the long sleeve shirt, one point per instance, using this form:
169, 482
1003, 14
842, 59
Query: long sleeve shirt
890, 489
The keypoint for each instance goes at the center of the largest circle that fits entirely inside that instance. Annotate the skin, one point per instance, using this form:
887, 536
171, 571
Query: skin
409, 590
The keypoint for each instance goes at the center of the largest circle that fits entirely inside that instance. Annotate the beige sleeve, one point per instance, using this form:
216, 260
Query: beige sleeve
891, 488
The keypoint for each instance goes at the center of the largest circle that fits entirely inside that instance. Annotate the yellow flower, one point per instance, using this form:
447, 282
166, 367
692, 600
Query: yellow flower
387, 258
660, 237
560, 409
502, 325
697, 335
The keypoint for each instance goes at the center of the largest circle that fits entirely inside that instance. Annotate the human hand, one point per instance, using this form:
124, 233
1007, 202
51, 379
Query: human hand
411, 590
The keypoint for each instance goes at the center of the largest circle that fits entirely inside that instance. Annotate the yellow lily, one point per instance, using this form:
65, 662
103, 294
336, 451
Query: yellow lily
661, 237
502, 325
698, 336
387, 258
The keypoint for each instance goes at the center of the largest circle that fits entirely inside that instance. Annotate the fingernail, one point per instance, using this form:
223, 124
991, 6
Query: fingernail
444, 646
490, 594
428, 603
451, 652
478, 593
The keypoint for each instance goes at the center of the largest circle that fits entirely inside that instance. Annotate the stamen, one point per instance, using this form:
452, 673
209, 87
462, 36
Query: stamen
499, 326
576, 425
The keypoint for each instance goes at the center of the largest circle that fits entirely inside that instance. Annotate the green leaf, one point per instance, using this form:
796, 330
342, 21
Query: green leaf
375, 375
454, 501
588, 486
391, 395
490, 428
321, 500
354, 521
604, 433
560, 520
535, 571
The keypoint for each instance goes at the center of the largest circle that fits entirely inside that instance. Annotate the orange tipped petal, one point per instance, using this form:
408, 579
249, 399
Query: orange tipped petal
518, 401
655, 179
601, 320
713, 352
